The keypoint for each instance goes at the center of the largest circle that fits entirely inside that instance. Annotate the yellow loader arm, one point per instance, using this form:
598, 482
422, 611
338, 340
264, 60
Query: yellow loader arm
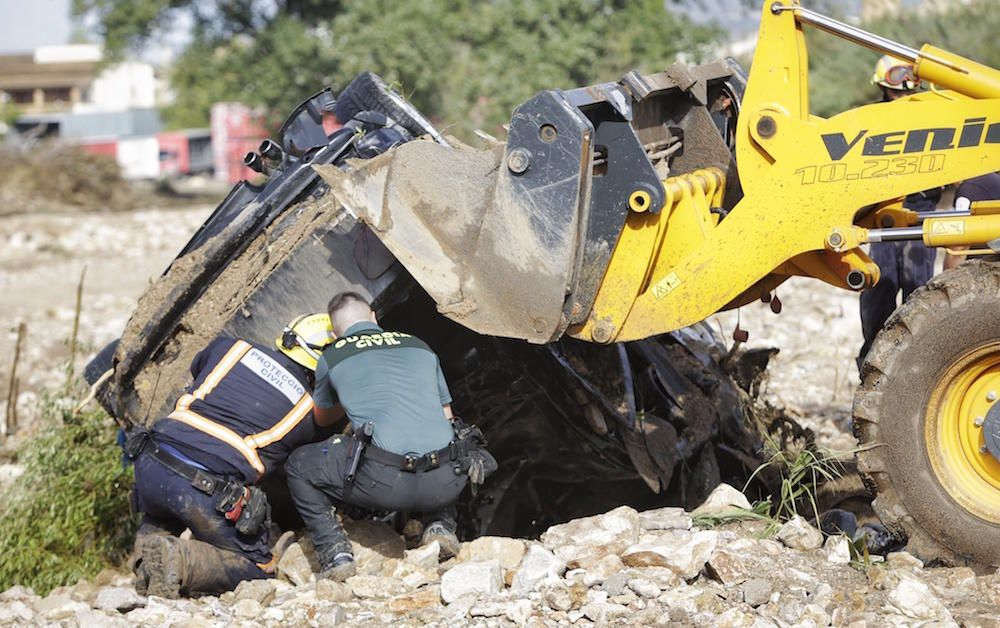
624, 210
807, 182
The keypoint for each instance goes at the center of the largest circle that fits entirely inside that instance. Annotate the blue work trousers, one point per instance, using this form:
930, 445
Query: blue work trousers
170, 504
905, 266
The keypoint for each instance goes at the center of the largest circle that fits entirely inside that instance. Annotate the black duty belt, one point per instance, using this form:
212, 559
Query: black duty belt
413, 463
202, 480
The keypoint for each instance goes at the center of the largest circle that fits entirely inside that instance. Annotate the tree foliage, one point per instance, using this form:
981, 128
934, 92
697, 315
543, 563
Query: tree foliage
840, 73
466, 63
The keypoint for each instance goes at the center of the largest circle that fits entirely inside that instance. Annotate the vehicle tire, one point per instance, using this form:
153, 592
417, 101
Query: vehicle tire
369, 92
924, 383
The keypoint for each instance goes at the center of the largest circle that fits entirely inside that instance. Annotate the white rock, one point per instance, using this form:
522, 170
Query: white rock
56, 607
273, 615
519, 612
602, 569
118, 599
374, 587
15, 613
488, 609
263, 591
18, 592
838, 549
736, 618
796, 533
913, 599
414, 576
665, 519
425, 556
757, 591
644, 587
247, 608
97, 619
815, 614
508, 551
660, 576
728, 567
684, 554
559, 596
581, 542
723, 497
537, 565
476, 579
904, 560
331, 591
294, 566
604, 612
334, 616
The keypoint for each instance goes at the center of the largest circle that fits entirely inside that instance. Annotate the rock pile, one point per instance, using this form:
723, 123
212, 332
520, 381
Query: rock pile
621, 568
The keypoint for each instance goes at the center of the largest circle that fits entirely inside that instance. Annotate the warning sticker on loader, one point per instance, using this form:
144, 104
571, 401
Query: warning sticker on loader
947, 227
666, 285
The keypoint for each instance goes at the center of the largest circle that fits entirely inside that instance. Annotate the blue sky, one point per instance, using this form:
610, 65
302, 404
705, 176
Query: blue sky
33, 23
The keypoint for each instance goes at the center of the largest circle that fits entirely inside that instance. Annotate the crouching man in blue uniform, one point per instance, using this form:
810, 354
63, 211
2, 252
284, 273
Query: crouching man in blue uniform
246, 410
408, 452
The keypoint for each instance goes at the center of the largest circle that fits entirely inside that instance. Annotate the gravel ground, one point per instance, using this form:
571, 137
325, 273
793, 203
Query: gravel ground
622, 568
42, 257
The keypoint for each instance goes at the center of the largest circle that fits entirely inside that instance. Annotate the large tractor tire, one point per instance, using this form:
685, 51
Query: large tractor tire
928, 385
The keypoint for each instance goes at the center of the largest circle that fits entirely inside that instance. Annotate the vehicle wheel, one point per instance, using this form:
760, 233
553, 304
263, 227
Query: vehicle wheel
369, 92
931, 372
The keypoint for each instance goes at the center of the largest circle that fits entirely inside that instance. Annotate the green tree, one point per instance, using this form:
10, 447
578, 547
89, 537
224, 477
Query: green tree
840, 73
464, 63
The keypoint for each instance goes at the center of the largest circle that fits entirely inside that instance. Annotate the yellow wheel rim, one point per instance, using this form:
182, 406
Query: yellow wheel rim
955, 443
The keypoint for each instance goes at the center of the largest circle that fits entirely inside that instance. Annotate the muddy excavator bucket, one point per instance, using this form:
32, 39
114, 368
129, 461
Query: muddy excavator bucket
513, 240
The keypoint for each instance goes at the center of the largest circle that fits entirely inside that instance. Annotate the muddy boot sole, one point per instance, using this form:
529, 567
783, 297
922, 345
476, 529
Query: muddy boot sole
159, 560
448, 542
340, 573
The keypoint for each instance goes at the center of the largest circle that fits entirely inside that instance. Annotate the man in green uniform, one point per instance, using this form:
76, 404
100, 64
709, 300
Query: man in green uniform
404, 455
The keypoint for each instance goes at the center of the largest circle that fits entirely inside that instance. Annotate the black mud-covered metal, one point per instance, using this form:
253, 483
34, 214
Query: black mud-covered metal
548, 172
602, 114
547, 167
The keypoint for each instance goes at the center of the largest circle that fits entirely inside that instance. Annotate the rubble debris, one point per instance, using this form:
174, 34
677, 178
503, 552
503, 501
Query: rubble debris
748, 581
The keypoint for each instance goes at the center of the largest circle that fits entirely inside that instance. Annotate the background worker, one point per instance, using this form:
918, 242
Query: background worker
394, 394
246, 410
905, 265
984, 188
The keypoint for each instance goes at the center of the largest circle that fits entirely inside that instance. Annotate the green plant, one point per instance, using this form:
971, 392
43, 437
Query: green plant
801, 472
761, 511
68, 515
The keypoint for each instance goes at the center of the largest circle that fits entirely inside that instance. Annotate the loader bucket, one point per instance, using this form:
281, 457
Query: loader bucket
513, 241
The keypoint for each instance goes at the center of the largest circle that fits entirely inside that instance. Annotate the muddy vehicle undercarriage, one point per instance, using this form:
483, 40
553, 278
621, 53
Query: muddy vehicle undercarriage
577, 428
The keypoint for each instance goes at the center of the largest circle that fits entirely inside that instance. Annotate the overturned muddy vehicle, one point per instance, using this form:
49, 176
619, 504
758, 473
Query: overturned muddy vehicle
577, 427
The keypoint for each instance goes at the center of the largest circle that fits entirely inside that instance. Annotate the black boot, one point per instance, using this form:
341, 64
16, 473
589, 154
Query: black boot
171, 567
441, 532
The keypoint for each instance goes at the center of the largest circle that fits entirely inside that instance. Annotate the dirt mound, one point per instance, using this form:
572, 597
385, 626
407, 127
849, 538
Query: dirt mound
58, 178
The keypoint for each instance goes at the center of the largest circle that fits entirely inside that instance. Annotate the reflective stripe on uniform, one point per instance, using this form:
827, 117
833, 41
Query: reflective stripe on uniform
282, 427
249, 445
226, 364
221, 432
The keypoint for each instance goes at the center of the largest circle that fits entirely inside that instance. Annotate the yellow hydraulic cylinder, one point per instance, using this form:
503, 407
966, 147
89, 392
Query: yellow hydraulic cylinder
952, 71
972, 230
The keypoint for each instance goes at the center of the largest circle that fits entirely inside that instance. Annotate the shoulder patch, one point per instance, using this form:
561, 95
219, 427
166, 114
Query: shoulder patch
269, 370
354, 344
